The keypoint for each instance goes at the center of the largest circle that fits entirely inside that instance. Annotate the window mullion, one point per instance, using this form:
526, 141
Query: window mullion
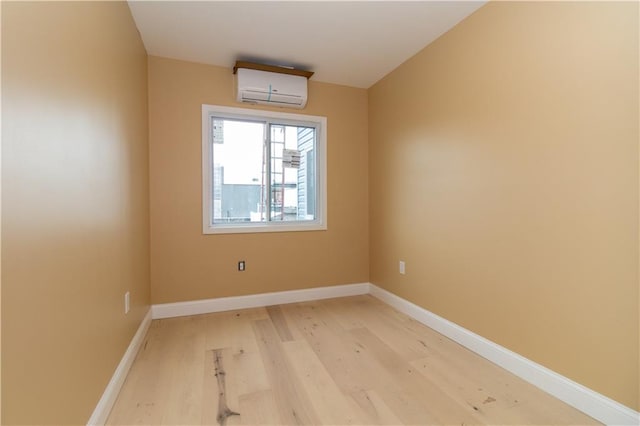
267, 142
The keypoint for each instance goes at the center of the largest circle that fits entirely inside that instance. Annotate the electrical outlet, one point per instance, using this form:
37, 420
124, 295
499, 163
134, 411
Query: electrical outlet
127, 303
241, 266
401, 267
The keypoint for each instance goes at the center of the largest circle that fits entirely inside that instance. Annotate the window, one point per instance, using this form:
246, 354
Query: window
262, 171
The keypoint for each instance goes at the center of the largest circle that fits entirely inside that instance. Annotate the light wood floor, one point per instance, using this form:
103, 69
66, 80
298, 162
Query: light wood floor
352, 360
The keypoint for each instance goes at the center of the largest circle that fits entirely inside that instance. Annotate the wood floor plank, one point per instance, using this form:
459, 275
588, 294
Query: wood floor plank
245, 372
208, 405
220, 399
234, 330
378, 412
188, 356
294, 407
222, 328
147, 387
259, 408
280, 323
342, 357
492, 401
420, 400
488, 398
354, 371
326, 397
343, 312
407, 344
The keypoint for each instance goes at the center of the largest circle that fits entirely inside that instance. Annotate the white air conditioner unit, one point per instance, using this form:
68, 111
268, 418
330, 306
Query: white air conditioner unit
271, 88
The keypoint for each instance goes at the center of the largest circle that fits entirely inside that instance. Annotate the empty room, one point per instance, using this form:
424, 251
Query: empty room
320, 212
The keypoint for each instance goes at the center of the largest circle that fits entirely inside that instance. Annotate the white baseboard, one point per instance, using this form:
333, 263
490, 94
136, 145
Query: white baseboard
580, 397
196, 307
102, 410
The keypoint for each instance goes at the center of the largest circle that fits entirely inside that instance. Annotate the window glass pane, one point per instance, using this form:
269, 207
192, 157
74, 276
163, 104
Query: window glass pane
292, 174
277, 133
238, 173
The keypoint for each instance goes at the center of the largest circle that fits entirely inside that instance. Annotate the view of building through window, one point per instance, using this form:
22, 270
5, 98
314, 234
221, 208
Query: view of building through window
262, 172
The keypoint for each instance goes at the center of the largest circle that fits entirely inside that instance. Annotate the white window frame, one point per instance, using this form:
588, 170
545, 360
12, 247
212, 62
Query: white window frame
318, 224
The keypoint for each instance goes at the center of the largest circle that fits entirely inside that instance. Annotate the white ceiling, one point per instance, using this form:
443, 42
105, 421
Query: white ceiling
354, 43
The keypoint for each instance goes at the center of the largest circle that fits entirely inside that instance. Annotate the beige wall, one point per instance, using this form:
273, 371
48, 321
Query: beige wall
75, 204
0, 222
187, 265
504, 171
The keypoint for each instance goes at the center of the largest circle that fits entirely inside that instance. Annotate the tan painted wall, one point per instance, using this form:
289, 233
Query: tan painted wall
75, 204
504, 171
187, 265
0, 222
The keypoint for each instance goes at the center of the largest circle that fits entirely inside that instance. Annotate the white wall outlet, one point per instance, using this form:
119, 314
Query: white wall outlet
401, 267
127, 303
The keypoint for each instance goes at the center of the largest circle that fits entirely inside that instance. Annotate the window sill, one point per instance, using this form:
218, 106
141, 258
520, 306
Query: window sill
261, 227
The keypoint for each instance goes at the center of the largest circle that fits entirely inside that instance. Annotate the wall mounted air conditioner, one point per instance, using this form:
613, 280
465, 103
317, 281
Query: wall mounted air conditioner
271, 88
